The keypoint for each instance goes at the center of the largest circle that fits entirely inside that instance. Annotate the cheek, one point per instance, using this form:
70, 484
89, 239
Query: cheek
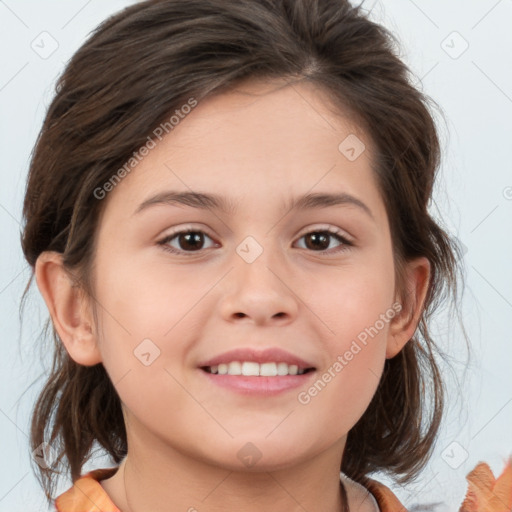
355, 307
352, 298
147, 320
344, 388
133, 315
141, 301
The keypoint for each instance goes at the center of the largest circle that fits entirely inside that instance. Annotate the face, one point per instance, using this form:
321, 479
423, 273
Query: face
306, 289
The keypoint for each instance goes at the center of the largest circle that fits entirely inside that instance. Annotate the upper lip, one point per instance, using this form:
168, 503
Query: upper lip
269, 355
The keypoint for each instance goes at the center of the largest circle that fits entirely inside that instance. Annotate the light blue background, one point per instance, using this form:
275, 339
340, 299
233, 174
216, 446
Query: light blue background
474, 199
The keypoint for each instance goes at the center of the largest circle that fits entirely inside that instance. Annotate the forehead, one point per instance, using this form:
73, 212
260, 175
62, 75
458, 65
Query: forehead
257, 142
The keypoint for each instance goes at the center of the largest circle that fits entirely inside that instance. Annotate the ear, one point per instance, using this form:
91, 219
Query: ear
69, 308
404, 324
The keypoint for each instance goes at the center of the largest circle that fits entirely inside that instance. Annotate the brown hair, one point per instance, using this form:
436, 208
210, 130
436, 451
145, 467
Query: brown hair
145, 62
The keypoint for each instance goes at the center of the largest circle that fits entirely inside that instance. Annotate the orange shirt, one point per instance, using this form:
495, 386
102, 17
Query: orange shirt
484, 494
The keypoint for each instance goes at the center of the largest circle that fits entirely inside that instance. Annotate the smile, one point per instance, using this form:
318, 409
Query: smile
254, 369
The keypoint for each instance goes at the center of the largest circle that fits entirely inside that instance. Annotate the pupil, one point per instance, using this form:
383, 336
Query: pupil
190, 240
318, 237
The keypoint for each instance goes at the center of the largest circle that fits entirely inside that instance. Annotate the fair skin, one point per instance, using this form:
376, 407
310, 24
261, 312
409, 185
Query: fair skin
259, 146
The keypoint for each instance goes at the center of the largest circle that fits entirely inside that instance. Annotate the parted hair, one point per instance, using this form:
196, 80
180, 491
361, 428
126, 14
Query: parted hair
136, 69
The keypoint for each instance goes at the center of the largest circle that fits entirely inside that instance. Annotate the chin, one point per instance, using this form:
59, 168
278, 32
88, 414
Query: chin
257, 453
253, 461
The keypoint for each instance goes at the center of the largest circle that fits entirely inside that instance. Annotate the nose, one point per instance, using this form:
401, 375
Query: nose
260, 292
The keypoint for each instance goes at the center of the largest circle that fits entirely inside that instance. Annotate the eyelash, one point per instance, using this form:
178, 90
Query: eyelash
346, 244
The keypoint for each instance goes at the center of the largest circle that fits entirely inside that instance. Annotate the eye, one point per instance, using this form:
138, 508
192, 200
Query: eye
188, 240
193, 240
320, 240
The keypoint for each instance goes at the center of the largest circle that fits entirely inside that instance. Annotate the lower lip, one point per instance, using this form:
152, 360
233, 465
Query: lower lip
259, 385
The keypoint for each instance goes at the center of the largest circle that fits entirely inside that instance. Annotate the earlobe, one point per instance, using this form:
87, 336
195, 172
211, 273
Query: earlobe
404, 324
68, 307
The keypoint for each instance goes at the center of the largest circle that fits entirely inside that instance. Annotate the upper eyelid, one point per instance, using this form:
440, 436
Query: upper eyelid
333, 230
187, 229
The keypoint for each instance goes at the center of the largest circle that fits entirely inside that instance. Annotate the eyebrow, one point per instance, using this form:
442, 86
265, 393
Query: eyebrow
216, 202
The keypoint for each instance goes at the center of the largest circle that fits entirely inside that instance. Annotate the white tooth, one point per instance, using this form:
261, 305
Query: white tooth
250, 368
253, 369
235, 368
282, 369
293, 369
268, 369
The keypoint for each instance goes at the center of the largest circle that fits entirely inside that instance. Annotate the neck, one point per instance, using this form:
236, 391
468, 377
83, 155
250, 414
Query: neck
163, 480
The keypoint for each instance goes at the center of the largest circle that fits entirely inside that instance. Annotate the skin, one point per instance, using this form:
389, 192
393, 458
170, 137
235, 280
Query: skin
260, 145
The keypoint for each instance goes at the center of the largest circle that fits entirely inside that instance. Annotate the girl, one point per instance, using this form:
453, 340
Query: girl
226, 214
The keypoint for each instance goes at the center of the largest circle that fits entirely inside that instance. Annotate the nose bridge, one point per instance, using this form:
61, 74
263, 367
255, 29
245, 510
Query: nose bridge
258, 261
258, 287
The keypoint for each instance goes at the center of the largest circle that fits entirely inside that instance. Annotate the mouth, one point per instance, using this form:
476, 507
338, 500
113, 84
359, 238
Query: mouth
254, 369
257, 372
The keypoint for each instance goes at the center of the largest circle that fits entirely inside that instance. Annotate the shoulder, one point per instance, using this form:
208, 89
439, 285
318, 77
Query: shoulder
485, 493
385, 498
359, 498
87, 494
